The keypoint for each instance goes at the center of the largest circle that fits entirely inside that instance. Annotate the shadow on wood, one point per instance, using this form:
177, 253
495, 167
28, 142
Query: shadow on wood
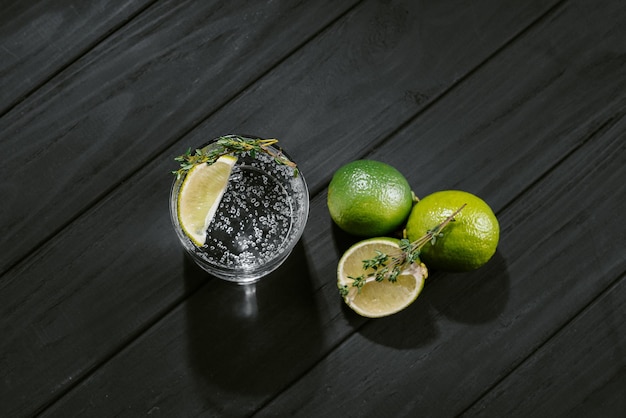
343, 240
474, 297
410, 328
249, 339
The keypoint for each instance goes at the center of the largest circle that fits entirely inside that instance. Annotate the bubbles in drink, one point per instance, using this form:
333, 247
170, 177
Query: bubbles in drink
255, 221
260, 217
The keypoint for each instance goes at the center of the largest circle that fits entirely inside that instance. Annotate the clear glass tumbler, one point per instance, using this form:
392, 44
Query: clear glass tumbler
259, 220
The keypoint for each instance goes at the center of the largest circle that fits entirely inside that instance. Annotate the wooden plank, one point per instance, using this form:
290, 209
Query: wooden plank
38, 39
212, 359
580, 372
125, 101
83, 303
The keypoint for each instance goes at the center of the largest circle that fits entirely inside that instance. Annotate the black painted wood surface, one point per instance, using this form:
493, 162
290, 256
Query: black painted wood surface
521, 103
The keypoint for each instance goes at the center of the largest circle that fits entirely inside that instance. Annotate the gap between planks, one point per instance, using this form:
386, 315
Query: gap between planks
608, 289
72, 60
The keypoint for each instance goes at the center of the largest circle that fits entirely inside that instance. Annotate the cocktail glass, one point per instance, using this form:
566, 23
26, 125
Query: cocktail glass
259, 220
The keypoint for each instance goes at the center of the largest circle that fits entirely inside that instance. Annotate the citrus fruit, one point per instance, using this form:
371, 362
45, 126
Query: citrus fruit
378, 298
200, 195
369, 198
465, 244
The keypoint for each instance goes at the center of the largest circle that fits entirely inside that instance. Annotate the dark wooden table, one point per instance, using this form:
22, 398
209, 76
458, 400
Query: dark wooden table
520, 102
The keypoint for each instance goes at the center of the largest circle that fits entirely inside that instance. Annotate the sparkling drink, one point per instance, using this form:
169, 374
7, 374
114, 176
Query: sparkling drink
259, 220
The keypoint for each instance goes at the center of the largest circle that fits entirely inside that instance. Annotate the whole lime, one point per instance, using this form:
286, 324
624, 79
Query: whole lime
465, 244
369, 198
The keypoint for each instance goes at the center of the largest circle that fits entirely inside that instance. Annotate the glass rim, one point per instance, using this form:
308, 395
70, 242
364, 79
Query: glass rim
244, 274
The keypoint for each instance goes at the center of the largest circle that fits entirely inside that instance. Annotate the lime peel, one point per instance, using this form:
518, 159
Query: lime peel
467, 244
200, 194
369, 198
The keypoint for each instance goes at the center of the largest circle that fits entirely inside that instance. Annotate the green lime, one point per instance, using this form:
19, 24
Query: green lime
465, 244
200, 195
369, 198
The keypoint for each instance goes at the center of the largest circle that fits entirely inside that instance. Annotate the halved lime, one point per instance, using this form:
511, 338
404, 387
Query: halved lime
378, 298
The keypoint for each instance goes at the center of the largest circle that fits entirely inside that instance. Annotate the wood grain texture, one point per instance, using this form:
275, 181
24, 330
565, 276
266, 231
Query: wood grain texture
120, 105
84, 303
373, 72
580, 372
81, 133
228, 361
108, 317
38, 39
467, 332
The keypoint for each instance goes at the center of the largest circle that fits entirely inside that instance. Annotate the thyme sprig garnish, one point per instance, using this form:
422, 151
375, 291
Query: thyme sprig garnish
232, 144
389, 266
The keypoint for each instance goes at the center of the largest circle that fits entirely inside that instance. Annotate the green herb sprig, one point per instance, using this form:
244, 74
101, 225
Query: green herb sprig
389, 266
231, 144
